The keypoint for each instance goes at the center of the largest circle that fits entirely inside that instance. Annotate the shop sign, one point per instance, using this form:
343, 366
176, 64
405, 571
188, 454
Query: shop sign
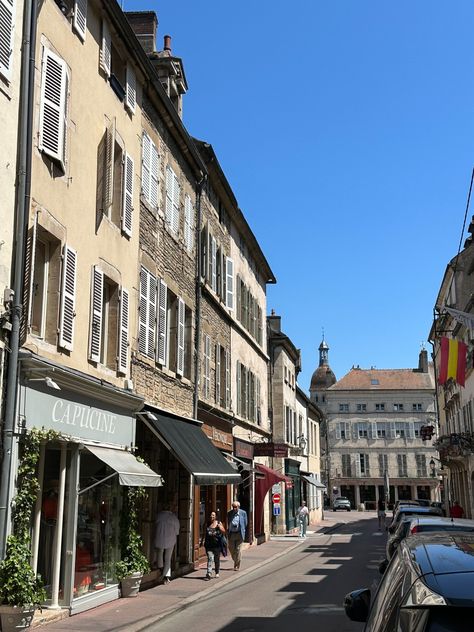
76, 416
278, 450
220, 438
243, 449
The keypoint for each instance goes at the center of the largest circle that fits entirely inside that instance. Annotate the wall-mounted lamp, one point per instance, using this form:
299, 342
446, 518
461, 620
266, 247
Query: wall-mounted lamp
50, 383
302, 442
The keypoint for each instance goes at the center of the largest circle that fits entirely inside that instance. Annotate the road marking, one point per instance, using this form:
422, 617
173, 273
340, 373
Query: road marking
319, 609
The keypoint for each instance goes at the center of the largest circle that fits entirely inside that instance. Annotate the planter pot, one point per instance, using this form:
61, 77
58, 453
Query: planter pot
131, 585
15, 618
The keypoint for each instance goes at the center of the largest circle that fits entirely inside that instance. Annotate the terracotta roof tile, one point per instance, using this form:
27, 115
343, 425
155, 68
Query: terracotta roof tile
384, 379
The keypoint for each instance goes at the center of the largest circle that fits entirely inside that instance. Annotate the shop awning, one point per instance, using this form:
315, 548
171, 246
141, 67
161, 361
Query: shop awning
185, 439
262, 486
131, 472
312, 480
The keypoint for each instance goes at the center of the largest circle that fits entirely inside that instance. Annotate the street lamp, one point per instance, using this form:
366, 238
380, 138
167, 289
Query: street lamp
302, 442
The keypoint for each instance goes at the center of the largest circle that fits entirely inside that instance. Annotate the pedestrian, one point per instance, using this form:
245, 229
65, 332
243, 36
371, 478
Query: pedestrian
381, 513
166, 532
215, 531
236, 525
456, 510
302, 516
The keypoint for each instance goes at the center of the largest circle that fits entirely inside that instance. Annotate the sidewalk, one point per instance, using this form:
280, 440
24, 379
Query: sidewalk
154, 604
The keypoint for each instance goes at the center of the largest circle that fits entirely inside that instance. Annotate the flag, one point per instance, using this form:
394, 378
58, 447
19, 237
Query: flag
462, 317
453, 361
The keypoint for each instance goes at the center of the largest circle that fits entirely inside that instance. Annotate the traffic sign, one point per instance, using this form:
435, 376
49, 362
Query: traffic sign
276, 489
276, 499
276, 510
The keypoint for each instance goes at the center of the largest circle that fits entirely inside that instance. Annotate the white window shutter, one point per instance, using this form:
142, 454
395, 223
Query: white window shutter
169, 196
239, 388
154, 175
218, 374
162, 324
109, 167
97, 292
176, 189
180, 347
7, 24
146, 166
68, 299
227, 380
213, 263
127, 202
373, 431
53, 106
188, 223
106, 49
393, 430
80, 18
123, 332
143, 326
338, 429
229, 283
130, 89
357, 465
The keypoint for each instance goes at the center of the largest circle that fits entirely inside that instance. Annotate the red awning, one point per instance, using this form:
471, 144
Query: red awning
262, 486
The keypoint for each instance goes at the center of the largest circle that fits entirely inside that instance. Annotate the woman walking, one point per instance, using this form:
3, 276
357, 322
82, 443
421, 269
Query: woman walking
212, 543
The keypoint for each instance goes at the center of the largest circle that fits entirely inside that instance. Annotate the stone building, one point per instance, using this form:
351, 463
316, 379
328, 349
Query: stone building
373, 427
455, 403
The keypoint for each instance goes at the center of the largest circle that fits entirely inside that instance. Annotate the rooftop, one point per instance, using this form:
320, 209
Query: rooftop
384, 379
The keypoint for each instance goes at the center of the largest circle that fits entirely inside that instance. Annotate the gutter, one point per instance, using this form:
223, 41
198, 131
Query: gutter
22, 203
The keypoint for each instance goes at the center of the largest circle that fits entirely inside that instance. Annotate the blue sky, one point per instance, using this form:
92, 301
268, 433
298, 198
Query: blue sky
345, 128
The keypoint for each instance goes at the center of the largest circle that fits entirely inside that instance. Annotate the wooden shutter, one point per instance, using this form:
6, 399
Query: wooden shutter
7, 23
147, 315
68, 299
204, 252
154, 175
239, 386
218, 374
80, 18
109, 167
162, 324
123, 332
227, 380
175, 218
97, 292
106, 49
229, 283
258, 402
130, 89
180, 347
213, 263
146, 166
53, 106
127, 201
169, 196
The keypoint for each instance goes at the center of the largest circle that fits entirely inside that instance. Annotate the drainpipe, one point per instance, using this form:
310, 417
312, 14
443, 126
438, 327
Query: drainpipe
22, 203
197, 333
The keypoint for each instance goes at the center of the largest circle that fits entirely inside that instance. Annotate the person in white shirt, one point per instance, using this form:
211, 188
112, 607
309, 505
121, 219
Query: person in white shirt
166, 531
302, 516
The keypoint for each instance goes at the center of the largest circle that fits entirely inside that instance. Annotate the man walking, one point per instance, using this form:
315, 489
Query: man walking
236, 525
302, 516
166, 531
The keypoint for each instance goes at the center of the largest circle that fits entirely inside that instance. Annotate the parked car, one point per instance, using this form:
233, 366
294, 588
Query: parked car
422, 525
427, 587
405, 511
341, 502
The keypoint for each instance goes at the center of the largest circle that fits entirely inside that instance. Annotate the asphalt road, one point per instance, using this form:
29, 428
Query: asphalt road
301, 590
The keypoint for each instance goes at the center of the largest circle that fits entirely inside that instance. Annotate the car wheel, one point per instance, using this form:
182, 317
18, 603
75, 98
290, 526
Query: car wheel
348, 509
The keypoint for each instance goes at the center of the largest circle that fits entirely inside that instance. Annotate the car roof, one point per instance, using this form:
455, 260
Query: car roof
442, 521
418, 509
446, 562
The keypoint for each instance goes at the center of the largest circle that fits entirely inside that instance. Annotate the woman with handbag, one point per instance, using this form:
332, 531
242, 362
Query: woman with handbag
213, 539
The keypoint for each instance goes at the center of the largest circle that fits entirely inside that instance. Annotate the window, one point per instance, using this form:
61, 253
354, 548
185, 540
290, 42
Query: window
402, 464
172, 200
115, 180
52, 289
147, 314
398, 407
421, 465
249, 312
222, 376
206, 368
381, 430
379, 407
7, 24
109, 322
249, 394
346, 465
178, 341
53, 107
417, 407
341, 430
383, 464
150, 171
362, 431
374, 381
400, 430
361, 408
343, 408
364, 464
120, 73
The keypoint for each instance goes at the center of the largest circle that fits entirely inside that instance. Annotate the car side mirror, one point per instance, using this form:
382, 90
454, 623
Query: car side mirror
391, 530
356, 604
383, 567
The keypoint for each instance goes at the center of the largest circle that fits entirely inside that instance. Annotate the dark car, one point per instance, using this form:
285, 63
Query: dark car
404, 511
427, 587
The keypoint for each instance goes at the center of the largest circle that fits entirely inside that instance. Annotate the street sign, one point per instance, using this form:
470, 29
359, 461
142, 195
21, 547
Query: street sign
276, 489
276, 510
276, 499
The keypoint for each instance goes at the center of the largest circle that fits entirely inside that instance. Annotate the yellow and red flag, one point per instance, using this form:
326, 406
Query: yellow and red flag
453, 361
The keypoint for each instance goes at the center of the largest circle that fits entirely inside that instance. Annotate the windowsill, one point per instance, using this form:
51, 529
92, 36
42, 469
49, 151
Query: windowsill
154, 211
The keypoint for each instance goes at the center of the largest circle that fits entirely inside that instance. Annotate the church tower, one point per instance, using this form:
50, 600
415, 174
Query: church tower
322, 378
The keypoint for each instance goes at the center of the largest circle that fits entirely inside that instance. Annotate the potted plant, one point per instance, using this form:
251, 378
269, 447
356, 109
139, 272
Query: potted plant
21, 590
133, 565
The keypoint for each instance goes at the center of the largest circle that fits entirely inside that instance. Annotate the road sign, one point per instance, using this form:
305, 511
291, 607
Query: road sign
276, 489
276, 499
276, 510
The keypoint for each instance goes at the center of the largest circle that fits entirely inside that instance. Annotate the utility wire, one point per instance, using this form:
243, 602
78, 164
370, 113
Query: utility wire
462, 231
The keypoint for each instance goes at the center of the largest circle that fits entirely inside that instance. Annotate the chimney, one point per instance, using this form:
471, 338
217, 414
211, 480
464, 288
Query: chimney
274, 322
167, 44
423, 361
144, 24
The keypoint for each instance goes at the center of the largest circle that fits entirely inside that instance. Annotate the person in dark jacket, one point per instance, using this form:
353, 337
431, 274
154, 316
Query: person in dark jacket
212, 543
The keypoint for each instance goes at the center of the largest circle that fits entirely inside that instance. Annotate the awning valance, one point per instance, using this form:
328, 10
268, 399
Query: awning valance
312, 480
185, 439
131, 472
